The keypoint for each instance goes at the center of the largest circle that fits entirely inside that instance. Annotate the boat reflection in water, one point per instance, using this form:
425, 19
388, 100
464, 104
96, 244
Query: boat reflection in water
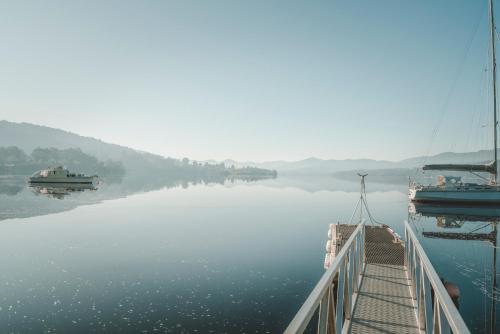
60, 190
463, 213
452, 218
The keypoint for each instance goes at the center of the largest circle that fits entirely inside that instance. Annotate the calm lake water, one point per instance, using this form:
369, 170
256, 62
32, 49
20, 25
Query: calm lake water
233, 258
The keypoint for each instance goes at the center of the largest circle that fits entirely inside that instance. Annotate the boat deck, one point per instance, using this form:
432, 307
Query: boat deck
384, 303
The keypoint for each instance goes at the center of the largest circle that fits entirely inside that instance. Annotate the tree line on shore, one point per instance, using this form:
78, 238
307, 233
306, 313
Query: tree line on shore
15, 161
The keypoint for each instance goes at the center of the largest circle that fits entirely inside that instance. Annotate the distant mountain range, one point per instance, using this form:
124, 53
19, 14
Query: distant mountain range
29, 136
329, 166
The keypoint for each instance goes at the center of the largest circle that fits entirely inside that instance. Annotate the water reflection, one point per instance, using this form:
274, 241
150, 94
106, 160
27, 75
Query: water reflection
139, 263
59, 190
17, 200
461, 213
11, 186
463, 233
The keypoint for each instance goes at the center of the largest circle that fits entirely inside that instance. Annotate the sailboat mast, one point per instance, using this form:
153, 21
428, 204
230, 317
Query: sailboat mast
494, 66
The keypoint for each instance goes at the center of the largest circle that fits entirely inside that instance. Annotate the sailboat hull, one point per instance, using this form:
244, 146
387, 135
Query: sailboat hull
480, 196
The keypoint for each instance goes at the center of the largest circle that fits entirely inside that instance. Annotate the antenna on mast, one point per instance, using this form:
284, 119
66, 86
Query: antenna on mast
361, 195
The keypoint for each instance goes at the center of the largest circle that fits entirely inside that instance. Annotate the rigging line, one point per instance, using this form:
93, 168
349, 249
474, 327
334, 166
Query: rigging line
372, 219
454, 84
362, 199
476, 109
483, 118
354, 212
368, 209
479, 176
481, 227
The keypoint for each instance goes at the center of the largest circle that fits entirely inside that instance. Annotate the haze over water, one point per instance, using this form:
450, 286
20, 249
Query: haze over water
234, 258
153, 95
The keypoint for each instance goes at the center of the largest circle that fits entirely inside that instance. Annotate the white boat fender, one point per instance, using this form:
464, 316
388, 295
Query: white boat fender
328, 261
329, 246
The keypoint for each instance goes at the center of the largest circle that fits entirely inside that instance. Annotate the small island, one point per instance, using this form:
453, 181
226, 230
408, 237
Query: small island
251, 173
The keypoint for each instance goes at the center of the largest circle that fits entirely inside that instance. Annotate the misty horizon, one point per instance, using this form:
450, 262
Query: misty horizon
243, 161
256, 82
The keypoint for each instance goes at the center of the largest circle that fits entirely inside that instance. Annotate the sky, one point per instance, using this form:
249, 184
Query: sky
253, 80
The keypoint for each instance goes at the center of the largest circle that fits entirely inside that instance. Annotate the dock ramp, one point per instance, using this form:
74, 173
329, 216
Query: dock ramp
378, 283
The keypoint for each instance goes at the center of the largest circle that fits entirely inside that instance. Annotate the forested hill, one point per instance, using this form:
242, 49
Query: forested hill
15, 161
27, 146
28, 137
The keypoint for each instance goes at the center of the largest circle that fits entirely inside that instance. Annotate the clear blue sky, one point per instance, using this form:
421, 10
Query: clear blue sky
250, 80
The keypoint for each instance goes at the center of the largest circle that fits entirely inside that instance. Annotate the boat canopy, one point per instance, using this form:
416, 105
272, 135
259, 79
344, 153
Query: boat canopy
488, 168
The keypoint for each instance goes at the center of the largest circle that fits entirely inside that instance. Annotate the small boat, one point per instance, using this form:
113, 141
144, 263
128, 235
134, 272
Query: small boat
451, 189
60, 174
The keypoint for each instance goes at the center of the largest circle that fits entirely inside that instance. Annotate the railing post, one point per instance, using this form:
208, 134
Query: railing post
443, 322
350, 275
414, 271
409, 267
331, 311
421, 297
406, 247
437, 325
347, 287
427, 300
355, 259
362, 257
364, 246
323, 314
339, 321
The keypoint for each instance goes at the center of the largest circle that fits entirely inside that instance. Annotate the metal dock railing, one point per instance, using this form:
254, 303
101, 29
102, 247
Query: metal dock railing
376, 284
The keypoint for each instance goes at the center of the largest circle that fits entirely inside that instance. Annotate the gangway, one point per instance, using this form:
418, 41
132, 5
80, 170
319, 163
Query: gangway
379, 284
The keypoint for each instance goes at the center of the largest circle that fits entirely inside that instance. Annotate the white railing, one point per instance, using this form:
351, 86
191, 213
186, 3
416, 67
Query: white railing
434, 316
335, 294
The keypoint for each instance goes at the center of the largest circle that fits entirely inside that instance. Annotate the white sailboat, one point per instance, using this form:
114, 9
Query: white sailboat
452, 189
